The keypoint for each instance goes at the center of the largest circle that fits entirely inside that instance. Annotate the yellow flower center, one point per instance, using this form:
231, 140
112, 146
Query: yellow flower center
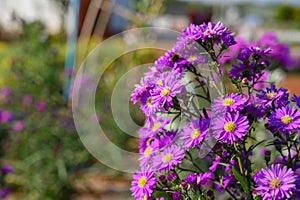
229, 127
286, 119
159, 82
142, 182
192, 58
195, 134
275, 183
148, 151
228, 102
149, 102
271, 95
165, 92
167, 158
156, 126
144, 197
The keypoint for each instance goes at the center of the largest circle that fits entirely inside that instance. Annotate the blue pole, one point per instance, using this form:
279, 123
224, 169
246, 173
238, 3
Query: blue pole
72, 36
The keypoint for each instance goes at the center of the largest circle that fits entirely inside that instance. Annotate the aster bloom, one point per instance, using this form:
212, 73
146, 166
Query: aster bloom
7, 169
147, 105
143, 184
194, 133
168, 89
285, 120
212, 30
168, 158
232, 102
154, 126
261, 52
176, 195
41, 106
272, 96
296, 99
191, 178
147, 155
232, 128
244, 54
140, 89
19, 125
193, 31
205, 179
241, 71
276, 182
6, 116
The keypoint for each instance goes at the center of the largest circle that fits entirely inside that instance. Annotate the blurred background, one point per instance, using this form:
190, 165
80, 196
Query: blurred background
42, 44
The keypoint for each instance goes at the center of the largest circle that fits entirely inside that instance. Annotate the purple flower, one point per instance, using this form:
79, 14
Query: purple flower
193, 31
212, 30
143, 184
276, 182
19, 125
6, 116
147, 105
231, 102
154, 126
244, 54
228, 39
215, 164
272, 96
168, 158
231, 129
285, 120
261, 52
7, 169
191, 178
296, 99
194, 133
5, 92
205, 179
240, 71
27, 99
176, 195
168, 89
4, 192
41, 106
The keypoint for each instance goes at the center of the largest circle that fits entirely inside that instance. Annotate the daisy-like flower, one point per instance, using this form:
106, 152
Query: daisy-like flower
193, 31
168, 158
143, 184
231, 102
232, 128
194, 133
154, 125
272, 96
147, 105
169, 87
213, 30
275, 183
285, 120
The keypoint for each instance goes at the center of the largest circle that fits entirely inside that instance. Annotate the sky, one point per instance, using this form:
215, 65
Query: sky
30, 10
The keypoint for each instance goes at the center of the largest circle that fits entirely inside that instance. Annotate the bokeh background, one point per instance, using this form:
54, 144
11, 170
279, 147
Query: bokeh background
43, 43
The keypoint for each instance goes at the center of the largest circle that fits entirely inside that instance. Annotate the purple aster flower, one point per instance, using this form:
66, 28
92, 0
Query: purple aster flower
194, 133
154, 126
229, 180
167, 138
146, 104
212, 30
191, 178
27, 99
205, 179
272, 96
276, 182
260, 51
232, 102
5, 92
244, 54
231, 129
168, 158
240, 71
41, 106
285, 120
147, 155
170, 87
7, 169
140, 89
193, 31
296, 99
228, 39
143, 184
176, 195
164, 63
172, 176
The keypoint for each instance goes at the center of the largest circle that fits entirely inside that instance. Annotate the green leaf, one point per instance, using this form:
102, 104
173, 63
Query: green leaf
242, 181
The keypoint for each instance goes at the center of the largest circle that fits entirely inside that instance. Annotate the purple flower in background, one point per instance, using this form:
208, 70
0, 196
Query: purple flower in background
170, 156
4, 192
232, 51
176, 196
272, 96
5, 92
232, 102
193, 134
285, 120
27, 99
143, 184
41, 106
276, 182
19, 125
6, 116
261, 82
231, 129
296, 99
7, 169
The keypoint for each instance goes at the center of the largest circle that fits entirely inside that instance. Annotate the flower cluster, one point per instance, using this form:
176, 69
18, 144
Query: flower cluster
191, 151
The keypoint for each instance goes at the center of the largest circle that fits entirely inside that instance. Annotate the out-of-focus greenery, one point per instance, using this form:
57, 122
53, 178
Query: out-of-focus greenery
288, 14
47, 152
